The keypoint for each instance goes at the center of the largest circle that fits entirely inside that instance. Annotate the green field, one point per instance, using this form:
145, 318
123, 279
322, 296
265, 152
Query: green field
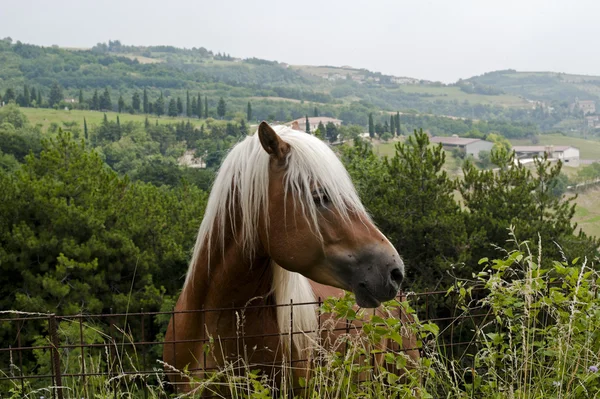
45, 116
589, 149
449, 93
587, 214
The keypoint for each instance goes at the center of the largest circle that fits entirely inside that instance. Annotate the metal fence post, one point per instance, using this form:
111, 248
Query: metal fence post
52, 328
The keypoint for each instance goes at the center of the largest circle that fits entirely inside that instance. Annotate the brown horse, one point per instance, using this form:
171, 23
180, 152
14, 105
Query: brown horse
282, 210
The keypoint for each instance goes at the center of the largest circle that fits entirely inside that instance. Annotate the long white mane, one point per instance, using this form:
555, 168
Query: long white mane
241, 188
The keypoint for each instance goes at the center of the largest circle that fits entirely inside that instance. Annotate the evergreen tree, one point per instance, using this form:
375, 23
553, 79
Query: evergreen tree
331, 132
221, 108
315, 112
249, 112
159, 105
85, 129
80, 97
39, 97
172, 111
95, 101
307, 125
121, 104
321, 128
243, 128
371, 126
135, 102
9, 95
146, 123
194, 110
32, 96
145, 104
398, 130
56, 95
392, 124
179, 106
188, 105
205, 107
26, 98
105, 101
386, 127
199, 107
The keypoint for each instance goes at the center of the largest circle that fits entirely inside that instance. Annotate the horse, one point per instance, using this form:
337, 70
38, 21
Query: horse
283, 224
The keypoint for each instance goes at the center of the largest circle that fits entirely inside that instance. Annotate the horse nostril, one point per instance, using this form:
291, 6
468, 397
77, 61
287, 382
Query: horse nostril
396, 275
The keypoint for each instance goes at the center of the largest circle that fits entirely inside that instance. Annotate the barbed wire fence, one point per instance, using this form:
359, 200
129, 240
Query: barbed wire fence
45, 351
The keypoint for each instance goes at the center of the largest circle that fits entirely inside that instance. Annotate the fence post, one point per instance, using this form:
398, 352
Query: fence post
52, 327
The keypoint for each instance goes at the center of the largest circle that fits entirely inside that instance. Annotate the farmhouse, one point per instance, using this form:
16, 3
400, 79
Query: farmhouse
314, 122
567, 154
468, 146
585, 106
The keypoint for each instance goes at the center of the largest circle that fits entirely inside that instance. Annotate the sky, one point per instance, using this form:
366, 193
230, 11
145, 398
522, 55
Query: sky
440, 40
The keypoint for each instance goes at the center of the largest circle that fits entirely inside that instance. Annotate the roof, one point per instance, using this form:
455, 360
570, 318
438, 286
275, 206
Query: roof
541, 148
453, 140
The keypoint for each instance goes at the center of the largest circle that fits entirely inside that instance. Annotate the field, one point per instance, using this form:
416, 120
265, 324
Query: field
589, 149
45, 116
449, 93
587, 215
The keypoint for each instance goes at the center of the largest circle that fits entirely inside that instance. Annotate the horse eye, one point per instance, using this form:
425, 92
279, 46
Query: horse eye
320, 198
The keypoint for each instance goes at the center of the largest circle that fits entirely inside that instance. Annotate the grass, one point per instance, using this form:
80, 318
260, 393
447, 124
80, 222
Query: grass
45, 116
587, 214
449, 93
588, 149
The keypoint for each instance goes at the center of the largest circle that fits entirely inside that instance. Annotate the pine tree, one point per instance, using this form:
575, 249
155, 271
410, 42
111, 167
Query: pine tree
179, 106
159, 105
145, 104
307, 125
121, 104
56, 95
205, 107
249, 111
371, 126
221, 108
172, 111
188, 105
135, 102
80, 97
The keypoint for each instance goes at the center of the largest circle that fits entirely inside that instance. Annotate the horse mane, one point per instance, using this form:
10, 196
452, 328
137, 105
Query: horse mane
241, 188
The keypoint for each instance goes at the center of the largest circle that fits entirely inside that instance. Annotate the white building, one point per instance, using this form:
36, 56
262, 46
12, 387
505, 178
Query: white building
314, 122
569, 155
468, 146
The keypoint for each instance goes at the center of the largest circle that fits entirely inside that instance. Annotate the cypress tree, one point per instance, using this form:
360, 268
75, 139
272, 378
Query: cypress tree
56, 94
32, 96
221, 108
85, 129
172, 111
39, 98
243, 128
105, 101
398, 130
194, 109
135, 102
9, 95
121, 104
145, 105
371, 126
199, 107
307, 125
159, 105
315, 112
392, 124
26, 98
95, 101
188, 105
80, 97
179, 106
249, 112
205, 107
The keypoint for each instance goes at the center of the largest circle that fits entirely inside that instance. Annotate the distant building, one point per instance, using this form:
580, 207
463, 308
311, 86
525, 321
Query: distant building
70, 100
567, 154
314, 122
592, 120
585, 106
467, 145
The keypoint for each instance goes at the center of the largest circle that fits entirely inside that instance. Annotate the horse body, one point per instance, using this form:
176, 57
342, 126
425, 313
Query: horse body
282, 211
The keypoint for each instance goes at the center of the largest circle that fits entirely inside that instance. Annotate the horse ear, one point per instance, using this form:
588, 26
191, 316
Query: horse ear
271, 142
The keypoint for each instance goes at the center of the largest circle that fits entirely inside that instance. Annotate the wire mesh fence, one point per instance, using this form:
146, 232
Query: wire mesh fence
46, 352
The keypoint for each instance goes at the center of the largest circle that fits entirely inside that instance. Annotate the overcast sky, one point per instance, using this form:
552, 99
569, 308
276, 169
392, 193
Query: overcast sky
437, 40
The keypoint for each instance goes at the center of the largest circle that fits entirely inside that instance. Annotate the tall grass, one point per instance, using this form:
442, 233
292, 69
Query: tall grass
539, 337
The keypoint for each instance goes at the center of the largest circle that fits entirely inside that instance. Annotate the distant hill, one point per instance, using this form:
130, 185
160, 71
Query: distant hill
541, 86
